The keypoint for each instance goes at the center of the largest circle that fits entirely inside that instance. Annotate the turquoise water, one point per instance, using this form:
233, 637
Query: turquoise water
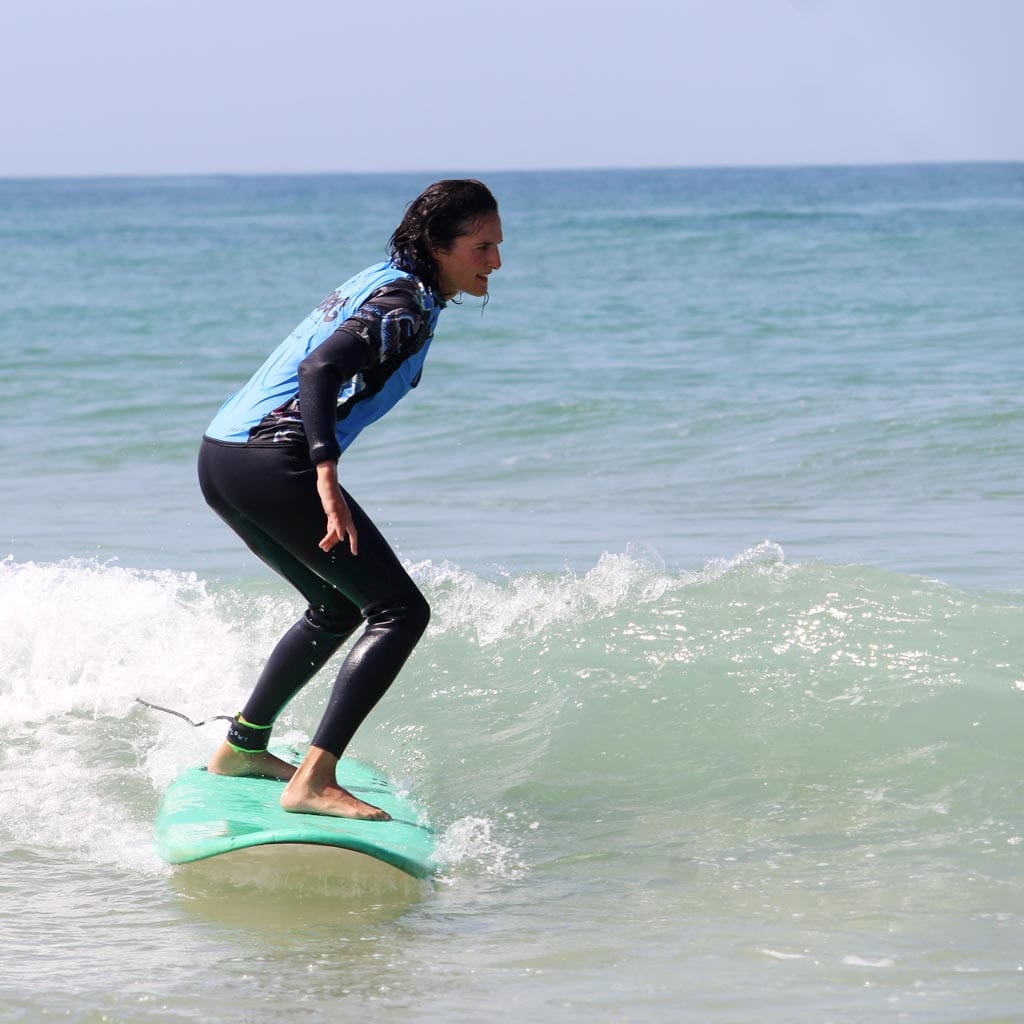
717, 504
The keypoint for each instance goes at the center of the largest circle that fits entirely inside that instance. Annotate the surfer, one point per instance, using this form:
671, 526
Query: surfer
268, 465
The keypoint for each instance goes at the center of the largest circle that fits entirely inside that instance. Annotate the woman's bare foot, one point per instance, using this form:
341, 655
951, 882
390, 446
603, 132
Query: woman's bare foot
263, 765
314, 789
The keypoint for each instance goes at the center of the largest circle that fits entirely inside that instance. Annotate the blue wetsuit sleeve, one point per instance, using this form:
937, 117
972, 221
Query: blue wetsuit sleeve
379, 331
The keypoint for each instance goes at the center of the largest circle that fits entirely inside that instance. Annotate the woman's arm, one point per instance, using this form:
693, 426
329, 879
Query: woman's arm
380, 326
321, 375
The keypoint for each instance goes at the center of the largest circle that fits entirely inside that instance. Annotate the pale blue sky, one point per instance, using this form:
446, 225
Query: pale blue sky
196, 86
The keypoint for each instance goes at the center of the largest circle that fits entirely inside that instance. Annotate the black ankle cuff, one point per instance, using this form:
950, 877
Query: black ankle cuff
247, 738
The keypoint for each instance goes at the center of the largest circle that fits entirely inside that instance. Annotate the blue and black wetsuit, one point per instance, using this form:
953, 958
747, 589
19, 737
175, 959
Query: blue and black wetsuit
358, 353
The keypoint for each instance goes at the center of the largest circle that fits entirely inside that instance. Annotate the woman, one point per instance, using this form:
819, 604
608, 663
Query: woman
268, 467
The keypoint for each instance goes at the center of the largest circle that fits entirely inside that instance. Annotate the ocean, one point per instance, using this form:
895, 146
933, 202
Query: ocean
718, 506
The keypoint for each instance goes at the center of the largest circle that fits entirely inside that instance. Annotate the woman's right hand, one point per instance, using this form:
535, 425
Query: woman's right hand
339, 519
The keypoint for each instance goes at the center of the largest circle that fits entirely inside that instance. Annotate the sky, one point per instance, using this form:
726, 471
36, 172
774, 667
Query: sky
131, 87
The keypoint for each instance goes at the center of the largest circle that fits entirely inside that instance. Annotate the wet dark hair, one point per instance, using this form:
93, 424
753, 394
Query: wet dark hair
434, 219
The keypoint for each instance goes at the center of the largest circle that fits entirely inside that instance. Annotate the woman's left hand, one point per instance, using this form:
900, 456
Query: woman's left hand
339, 519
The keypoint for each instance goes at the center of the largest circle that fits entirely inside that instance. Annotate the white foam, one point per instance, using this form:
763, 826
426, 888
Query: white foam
470, 846
859, 961
89, 638
80, 641
533, 603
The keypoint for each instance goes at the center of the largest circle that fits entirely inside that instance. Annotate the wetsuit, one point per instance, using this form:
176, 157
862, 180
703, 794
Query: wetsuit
358, 353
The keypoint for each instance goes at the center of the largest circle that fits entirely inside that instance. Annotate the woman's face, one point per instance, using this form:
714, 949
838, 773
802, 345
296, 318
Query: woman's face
466, 266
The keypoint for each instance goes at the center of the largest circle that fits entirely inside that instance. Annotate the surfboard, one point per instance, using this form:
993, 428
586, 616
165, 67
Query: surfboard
205, 817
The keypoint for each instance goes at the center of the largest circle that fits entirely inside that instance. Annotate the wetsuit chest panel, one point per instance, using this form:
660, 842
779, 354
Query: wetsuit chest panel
363, 399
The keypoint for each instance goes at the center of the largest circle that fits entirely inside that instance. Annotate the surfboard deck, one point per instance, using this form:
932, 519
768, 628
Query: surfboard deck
203, 816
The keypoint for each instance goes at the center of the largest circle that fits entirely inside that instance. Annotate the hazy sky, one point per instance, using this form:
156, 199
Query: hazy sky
151, 86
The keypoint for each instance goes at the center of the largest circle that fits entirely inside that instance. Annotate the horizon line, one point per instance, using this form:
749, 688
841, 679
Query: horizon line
797, 166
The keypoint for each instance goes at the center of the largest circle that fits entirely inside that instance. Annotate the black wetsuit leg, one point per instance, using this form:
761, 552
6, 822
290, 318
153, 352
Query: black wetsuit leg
268, 496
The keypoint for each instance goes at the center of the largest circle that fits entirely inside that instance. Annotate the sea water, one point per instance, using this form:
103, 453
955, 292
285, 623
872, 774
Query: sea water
717, 503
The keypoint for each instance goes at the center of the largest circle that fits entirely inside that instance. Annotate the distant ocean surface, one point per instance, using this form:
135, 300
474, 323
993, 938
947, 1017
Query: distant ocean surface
718, 505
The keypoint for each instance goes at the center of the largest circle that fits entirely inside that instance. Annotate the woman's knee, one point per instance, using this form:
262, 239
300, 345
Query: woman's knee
338, 620
420, 613
408, 615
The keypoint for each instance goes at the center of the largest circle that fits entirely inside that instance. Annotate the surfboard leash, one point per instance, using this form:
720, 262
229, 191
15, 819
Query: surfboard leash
178, 714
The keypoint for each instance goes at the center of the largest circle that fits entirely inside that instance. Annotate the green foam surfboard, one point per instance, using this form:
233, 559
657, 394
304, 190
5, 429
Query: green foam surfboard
205, 816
